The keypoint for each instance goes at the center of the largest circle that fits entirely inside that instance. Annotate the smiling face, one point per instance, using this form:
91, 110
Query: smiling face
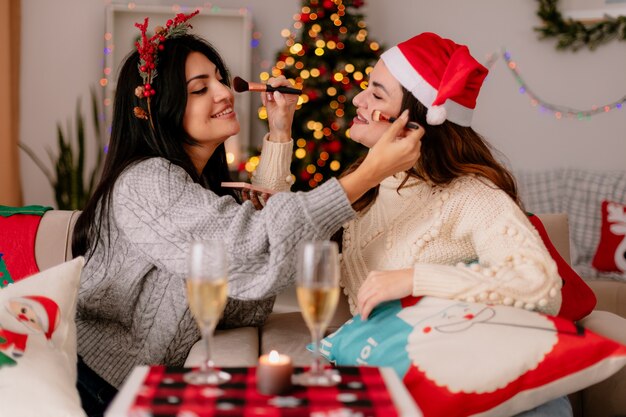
25, 314
209, 117
383, 93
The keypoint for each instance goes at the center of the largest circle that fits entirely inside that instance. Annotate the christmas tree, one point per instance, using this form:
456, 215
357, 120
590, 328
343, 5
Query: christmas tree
5, 277
328, 55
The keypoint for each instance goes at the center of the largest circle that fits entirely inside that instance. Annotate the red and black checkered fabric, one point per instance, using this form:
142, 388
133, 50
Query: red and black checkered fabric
362, 392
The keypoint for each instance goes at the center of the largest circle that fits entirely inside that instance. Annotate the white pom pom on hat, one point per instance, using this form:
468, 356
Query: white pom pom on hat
436, 115
440, 73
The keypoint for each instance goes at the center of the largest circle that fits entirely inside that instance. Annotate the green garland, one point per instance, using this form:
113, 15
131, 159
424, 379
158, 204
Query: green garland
572, 34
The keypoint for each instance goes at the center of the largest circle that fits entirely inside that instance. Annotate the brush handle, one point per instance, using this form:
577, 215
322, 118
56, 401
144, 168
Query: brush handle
409, 125
283, 89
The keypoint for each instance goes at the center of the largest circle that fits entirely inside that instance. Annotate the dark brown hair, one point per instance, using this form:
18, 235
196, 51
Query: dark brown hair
133, 140
448, 151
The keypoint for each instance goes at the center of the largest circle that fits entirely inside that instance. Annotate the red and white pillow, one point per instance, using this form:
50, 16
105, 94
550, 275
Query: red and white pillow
578, 300
38, 344
462, 359
610, 255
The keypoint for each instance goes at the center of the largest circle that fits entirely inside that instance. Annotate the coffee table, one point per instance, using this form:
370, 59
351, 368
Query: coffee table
364, 391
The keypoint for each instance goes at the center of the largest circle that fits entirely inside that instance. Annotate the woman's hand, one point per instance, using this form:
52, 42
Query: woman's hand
257, 198
280, 109
382, 286
397, 150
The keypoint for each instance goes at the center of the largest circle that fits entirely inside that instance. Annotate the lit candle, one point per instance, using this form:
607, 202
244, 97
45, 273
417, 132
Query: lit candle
273, 374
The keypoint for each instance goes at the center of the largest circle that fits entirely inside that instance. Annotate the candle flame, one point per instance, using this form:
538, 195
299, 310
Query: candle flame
274, 357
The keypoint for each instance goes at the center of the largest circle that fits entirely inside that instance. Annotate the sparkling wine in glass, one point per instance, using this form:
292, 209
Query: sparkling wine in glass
207, 290
317, 288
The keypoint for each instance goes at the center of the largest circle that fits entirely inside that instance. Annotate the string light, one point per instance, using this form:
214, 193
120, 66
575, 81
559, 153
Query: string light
559, 111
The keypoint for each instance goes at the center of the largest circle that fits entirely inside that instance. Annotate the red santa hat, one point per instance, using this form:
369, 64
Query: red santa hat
47, 312
441, 74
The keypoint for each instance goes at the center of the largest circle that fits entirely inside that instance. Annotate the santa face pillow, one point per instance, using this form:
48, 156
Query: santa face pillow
464, 359
38, 344
610, 255
34, 314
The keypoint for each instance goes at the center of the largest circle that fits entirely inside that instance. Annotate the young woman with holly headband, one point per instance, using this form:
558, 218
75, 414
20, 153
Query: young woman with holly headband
161, 189
451, 226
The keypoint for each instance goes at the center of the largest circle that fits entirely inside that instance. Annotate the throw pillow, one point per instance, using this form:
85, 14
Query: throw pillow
542, 191
578, 300
585, 192
463, 359
18, 230
38, 344
610, 256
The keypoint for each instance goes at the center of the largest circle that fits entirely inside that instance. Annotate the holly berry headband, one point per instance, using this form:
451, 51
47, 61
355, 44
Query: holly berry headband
148, 56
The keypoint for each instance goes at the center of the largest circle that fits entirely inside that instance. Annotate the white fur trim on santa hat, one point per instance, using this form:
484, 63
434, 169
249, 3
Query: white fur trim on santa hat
410, 79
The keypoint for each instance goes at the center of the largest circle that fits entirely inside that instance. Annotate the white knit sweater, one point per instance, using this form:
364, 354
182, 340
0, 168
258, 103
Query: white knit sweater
467, 241
273, 169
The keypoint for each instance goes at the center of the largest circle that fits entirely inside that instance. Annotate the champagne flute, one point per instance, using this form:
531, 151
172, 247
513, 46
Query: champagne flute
317, 288
207, 288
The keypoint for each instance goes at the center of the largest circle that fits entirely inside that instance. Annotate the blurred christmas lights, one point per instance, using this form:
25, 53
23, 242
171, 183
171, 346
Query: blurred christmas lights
559, 111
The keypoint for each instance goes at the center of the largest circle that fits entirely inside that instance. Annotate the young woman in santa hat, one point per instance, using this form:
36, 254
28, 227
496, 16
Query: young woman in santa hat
451, 226
457, 205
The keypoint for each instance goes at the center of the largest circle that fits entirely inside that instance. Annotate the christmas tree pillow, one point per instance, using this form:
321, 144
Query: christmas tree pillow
38, 344
465, 359
610, 255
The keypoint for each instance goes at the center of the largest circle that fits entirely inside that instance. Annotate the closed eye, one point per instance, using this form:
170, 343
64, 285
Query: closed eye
378, 85
201, 91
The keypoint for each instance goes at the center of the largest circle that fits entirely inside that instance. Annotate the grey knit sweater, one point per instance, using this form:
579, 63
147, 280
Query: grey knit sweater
132, 306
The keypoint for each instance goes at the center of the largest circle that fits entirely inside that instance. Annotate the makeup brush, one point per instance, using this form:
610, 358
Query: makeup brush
242, 85
379, 116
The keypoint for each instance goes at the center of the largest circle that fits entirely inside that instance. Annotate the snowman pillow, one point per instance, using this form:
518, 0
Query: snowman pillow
38, 344
469, 359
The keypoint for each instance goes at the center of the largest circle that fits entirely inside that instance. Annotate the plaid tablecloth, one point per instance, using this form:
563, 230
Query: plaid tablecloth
162, 392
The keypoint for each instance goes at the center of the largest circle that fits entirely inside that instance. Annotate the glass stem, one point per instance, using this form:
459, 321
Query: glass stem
316, 366
207, 336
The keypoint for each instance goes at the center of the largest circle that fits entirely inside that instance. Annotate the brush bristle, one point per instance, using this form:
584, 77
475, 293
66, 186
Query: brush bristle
377, 116
240, 84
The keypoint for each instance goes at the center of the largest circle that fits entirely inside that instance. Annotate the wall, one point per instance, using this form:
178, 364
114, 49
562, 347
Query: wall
62, 56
